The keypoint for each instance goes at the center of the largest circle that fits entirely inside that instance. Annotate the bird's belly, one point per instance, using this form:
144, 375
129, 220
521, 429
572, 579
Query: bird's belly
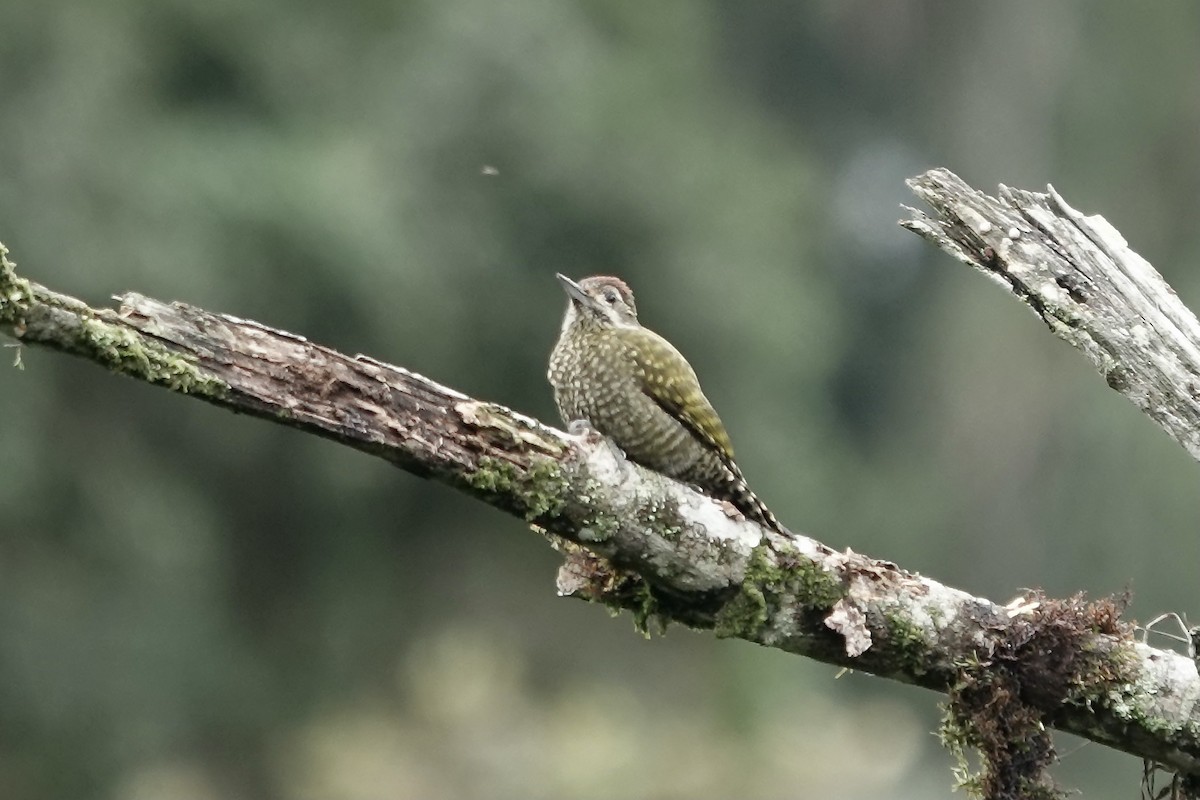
647, 434
617, 407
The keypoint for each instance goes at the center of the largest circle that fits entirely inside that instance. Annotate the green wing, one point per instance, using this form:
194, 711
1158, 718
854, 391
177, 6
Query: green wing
670, 381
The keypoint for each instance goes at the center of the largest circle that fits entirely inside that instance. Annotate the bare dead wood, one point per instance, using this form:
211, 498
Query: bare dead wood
637, 540
1078, 275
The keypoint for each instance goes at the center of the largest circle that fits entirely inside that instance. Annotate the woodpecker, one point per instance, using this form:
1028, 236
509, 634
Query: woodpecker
633, 386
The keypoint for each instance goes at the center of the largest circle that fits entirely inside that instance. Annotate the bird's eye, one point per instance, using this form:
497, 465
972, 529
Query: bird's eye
611, 297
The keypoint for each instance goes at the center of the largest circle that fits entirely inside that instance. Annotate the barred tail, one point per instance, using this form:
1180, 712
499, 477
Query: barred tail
747, 502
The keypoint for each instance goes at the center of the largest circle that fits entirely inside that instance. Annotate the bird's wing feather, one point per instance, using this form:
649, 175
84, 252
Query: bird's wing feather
670, 381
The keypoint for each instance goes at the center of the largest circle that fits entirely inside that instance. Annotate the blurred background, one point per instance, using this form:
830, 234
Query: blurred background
195, 605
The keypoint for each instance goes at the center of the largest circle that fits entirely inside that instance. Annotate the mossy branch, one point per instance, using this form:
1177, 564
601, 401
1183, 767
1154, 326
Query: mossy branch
636, 540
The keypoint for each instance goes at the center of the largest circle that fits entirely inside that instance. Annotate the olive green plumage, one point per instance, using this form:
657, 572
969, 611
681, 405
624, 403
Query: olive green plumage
633, 386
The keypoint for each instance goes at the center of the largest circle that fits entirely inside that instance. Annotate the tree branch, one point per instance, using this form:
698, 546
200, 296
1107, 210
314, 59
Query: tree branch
637, 540
1079, 276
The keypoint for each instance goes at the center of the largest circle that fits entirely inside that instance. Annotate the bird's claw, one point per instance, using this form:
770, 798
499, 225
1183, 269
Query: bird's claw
588, 435
584, 430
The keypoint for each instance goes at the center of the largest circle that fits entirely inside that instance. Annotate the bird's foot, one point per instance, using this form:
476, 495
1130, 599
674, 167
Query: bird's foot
589, 436
584, 430
579, 427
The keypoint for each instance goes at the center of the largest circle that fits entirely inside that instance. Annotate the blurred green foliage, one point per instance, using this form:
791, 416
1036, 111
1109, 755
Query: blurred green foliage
195, 605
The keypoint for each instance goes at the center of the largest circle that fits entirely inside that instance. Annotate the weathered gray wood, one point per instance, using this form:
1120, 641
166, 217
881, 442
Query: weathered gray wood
1079, 276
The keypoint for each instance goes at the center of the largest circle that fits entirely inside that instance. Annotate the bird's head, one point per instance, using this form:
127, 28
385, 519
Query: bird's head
600, 300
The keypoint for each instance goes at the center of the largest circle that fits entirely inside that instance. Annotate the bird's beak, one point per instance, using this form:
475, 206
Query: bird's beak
574, 290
